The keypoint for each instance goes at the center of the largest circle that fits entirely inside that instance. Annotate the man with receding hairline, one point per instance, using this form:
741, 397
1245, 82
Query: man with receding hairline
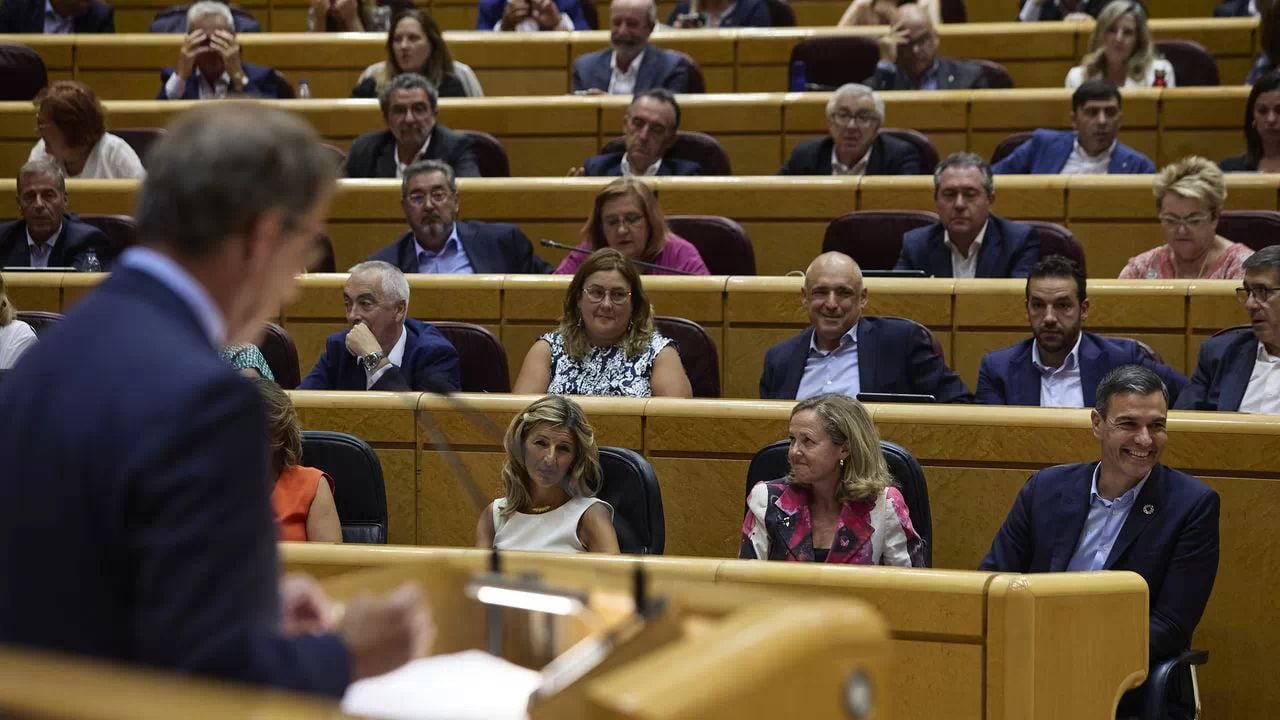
909, 58
632, 64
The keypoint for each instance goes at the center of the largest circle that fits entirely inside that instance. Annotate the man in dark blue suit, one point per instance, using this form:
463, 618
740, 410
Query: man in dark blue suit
1239, 370
438, 242
410, 107
649, 130
854, 144
1091, 149
531, 15
56, 16
846, 352
47, 235
1126, 512
721, 14
384, 349
209, 64
1060, 365
126, 432
631, 65
969, 242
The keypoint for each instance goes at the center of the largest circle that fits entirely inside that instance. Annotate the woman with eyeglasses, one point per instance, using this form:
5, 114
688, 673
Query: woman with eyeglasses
626, 217
606, 343
1189, 196
1121, 51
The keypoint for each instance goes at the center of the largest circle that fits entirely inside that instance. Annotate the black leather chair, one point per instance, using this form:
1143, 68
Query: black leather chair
1057, 240
491, 157
997, 75
121, 230
953, 11
281, 355
322, 259
591, 14
874, 237
484, 359
140, 139
284, 88
1173, 679
722, 243
359, 493
697, 353
23, 72
832, 61
770, 463
781, 14
1255, 228
1193, 65
339, 155
922, 144
1008, 145
697, 84
631, 487
39, 320
689, 145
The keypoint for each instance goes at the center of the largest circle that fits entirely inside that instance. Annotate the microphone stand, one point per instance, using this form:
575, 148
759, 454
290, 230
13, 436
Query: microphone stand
652, 266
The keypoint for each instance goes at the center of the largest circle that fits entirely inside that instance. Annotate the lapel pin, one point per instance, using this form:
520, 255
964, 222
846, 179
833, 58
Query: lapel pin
1149, 509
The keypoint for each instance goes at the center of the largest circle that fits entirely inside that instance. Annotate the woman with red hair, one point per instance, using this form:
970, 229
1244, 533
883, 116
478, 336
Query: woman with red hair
72, 126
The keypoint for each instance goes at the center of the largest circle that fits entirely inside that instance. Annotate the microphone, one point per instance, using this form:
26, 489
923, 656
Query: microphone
652, 266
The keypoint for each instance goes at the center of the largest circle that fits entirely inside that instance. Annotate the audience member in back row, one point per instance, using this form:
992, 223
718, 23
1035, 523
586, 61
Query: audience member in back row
1035, 10
56, 17
721, 14
631, 65
301, 497
531, 15
1121, 50
626, 216
1268, 42
73, 134
845, 352
1060, 365
414, 132
1189, 197
1261, 128
837, 503
173, 19
16, 337
649, 129
968, 241
1092, 149
247, 360
1239, 369
606, 343
884, 12
549, 484
909, 58
353, 15
209, 63
437, 242
414, 45
383, 349
47, 235
854, 145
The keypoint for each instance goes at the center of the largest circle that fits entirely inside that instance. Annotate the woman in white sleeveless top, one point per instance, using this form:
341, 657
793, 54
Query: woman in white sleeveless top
549, 480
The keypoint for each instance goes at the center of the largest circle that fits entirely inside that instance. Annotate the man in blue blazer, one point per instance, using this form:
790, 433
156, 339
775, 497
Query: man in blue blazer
854, 144
721, 14
1092, 148
56, 16
631, 65
531, 15
1060, 365
127, 433
1126, 512
384, 349
968, 242
438, 242
209, 63
844, 351
649, 130
47, 235
1239, 370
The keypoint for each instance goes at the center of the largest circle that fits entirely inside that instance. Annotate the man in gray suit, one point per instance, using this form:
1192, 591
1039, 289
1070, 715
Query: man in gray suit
632, 65
909, 58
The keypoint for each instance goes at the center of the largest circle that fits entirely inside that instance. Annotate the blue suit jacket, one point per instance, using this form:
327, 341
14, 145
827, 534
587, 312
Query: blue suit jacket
1007, 377
490, 12
610, 164
138, 459
499, 248
1046, 153
1009, 249
1222, 372
1177, 542
894, 356
430, 364
889, 156
27, 16
746, 13
660, 69
261, 83
77, 238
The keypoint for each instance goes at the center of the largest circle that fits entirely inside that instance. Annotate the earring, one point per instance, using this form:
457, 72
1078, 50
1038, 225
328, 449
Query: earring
841, 463
630, 324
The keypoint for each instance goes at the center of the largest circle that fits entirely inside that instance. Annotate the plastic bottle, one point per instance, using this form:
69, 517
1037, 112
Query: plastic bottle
89, 262
797, 77
304, 90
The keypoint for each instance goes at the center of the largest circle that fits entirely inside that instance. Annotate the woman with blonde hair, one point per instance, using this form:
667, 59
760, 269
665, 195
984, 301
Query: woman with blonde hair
416, 45
838, 503
303, 505
16, 337
73, 134
549, 485
1121, 51
1189, 197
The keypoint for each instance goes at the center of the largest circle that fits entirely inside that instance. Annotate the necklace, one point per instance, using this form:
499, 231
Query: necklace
540, 509
1204, 263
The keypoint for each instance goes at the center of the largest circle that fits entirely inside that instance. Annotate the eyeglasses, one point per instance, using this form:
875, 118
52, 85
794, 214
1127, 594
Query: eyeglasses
597, 294
843, 118
437, 197
1190, 222
1261, 293
631, 220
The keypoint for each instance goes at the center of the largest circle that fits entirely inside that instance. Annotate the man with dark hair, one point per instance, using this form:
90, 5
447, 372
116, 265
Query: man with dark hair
47, 235
56, 17
1239, 369
909, 58
1125, 512
649, 130
126, 432
1060, 365
1091, 149
409, 106
968, 241
632, 64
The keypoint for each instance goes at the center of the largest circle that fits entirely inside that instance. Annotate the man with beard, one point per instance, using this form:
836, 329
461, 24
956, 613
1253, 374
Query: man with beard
47, 235
855, 145
909, 58
649, 130
632, 65
1060, 365
209, 64
438, 242
409, 106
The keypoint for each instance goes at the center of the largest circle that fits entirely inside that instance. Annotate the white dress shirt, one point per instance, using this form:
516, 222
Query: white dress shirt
40, 252
961, 266
623, 82
649, 172
400, 166
395, 357
1263, 393
858, 168
175, 86
1060, 386
1081, 163
832, 372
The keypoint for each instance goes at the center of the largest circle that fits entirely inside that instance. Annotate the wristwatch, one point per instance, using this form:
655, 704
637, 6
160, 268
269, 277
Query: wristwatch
371, 360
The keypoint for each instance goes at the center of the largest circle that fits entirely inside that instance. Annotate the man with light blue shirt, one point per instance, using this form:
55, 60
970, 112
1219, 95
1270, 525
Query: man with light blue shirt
1125, 512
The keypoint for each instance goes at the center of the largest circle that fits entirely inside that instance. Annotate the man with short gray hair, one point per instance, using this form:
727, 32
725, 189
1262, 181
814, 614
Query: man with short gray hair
209, 64
409, 106
854, 145
631, 65
47, 235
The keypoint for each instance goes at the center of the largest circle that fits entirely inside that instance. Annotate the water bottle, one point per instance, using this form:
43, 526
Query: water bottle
797, 77
304, 90
89, 262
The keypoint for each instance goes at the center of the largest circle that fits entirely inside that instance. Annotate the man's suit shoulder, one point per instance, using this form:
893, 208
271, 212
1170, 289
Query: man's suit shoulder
1226, 342
599, 165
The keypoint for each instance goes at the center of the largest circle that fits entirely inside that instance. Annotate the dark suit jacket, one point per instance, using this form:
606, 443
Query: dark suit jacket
1008, 250
1046, 152
610, 164
498, 248
894, 356
77, 238
1007, 377
174, 20
1174, 548
660, 69
952, 75
430, 364
1222, 372
373, 154
27, 16
1231, 8
1051, 11
490, 12
1236, 163
747, 13
889, 156
139, 460
261, 82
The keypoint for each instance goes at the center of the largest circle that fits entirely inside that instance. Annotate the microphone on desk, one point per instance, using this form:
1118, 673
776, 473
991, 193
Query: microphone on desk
652, 266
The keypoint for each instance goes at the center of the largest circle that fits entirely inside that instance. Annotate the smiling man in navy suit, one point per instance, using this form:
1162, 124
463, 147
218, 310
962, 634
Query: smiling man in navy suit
1126, 512
631, 65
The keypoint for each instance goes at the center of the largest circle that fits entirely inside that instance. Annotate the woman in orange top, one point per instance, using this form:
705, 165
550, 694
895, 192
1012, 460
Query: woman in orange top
302, 504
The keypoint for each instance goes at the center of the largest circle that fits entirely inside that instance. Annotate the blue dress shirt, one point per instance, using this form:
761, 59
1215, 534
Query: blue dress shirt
450, 260
179, 281
1102, 525
832, 372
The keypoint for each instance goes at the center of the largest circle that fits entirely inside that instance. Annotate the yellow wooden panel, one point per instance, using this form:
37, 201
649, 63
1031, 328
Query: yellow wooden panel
1213, 305
34, 291
699, 506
